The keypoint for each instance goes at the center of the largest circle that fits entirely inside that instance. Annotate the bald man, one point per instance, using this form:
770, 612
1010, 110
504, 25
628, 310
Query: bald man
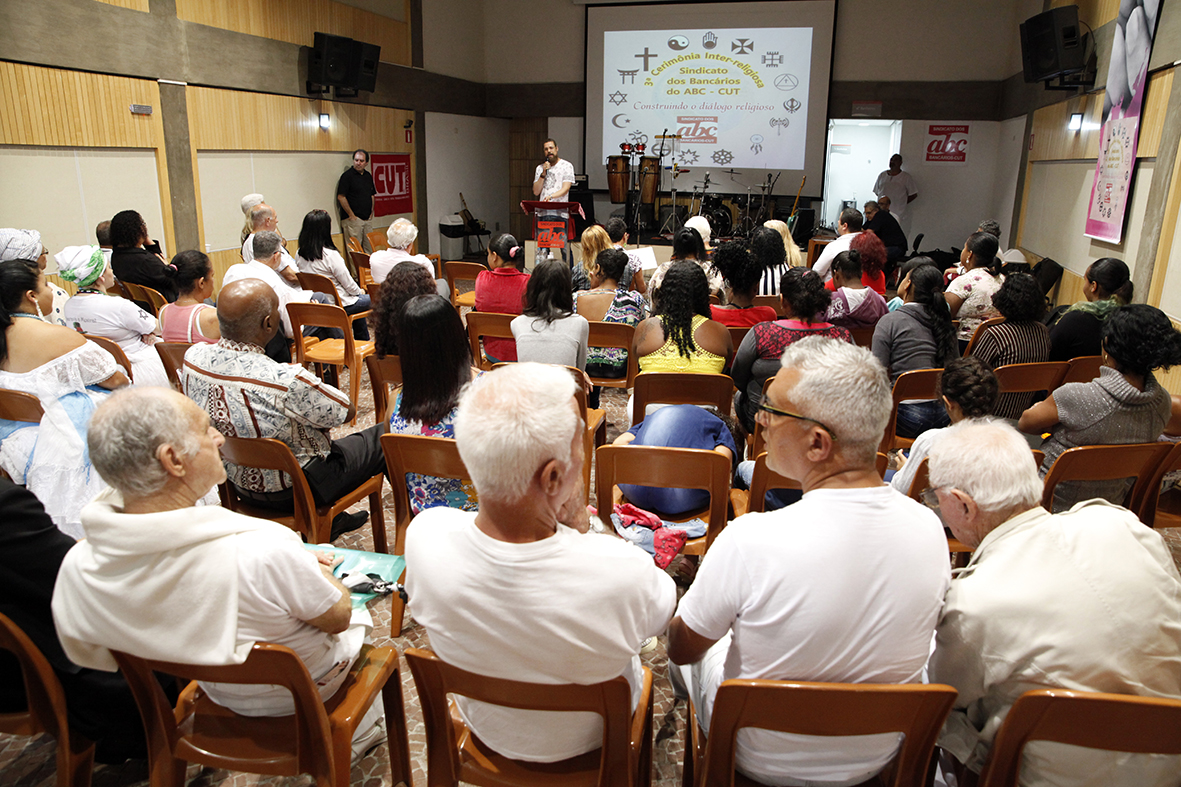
248, 394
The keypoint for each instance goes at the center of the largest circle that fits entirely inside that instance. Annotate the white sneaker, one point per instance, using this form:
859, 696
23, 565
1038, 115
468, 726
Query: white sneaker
649, 645
369, 739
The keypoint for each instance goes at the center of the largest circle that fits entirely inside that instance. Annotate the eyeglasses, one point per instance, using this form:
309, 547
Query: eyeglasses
930, 497
766, 408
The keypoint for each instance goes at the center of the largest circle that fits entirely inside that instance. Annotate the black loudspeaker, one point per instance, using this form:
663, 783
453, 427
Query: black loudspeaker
332, 62
367, 59
1051, 44
805, 221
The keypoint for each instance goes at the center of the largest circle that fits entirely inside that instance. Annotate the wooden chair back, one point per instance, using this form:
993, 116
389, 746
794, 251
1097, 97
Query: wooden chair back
486, 324
172, 355
756, 443
980, 329
916, 710
1152, 489
316, 282
315, 740
384, 371
456, 271
121, 289
115, 350
378, 240
433, 456
682, 468
346, 352
312, 522
438, 262
716, 390
615, 335
1082, 369
352, 244
46, 711
20, 406
765, 479
774, 301
714, 300
1024, 377
454, 755
862, 337
374, 291
918, 384
1107, 463
360, 261
1111, 722
737, 334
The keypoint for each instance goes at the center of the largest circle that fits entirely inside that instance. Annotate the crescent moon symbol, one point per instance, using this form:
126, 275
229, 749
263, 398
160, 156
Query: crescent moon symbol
615, 120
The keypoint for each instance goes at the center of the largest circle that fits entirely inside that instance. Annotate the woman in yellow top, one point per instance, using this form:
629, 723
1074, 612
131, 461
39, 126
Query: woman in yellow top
680, 336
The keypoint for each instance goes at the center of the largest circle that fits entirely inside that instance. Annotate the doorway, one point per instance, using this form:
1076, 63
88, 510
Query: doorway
858, 150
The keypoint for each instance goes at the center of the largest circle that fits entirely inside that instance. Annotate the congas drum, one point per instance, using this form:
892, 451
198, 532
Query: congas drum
649, 172
617, 178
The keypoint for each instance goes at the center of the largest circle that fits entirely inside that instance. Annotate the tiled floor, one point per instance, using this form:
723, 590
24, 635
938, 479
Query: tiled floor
26, 762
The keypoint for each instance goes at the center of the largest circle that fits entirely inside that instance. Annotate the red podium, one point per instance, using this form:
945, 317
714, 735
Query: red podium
553, 223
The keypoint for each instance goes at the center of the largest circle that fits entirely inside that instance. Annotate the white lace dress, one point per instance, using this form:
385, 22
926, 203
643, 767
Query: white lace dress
51, 459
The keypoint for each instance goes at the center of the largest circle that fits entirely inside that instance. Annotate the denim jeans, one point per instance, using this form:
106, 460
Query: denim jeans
914, 419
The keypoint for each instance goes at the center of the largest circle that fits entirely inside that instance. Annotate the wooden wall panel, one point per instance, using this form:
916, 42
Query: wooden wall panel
236, 120
1093, 12
134, 5
1152, 119
295, 21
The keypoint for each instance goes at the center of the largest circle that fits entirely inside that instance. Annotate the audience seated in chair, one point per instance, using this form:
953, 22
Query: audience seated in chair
854, 305
1087, 600
190, 319
742, 273
249, 395
520, 590
263, 218
149, 553
401, 236
786, 595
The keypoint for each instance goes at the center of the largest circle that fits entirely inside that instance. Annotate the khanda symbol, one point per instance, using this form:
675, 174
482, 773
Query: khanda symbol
792, 105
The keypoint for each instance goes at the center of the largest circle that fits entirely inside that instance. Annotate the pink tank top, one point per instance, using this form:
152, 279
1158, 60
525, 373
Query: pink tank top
181, 324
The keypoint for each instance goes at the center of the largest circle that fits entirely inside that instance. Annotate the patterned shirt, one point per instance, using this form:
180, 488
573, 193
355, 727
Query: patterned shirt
628, 307
558, 174
249, 395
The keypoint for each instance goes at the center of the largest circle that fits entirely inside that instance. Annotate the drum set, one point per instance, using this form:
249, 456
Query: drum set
634, 180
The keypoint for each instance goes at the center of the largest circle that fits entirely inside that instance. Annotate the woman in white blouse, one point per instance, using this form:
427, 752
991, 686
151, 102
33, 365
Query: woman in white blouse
317, 254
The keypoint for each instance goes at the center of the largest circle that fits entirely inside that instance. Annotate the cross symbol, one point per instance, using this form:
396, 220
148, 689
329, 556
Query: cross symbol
647, 56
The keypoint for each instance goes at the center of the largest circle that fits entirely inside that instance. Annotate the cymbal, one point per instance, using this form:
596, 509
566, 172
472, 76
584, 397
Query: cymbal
731, 172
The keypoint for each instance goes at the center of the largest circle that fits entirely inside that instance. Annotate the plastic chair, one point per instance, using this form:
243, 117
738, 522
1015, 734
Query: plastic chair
761, 481
172, 355
917, 710
433, 456
316, 739
115, 350
316, 282
121, 290
438, 261
456, 271
1107, 463
360, 261
346, 352
489, 324
313, 522
352, 244
918, 384
378, 240
617, 335
1112, 722
980, 329
737, 334
20, 406
454, 754
46, 712
682, 468
774, 301
716, 390
1026, 377
1082, 369
384, 371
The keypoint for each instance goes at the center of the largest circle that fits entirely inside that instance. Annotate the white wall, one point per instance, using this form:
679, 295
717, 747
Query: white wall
469, 155
850, 176
453, 41
1010, 142
535, 41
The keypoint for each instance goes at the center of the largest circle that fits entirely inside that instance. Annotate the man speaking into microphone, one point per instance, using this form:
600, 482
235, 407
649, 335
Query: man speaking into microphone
551, 183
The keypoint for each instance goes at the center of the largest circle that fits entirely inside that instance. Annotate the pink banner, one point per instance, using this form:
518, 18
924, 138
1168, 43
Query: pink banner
391, 178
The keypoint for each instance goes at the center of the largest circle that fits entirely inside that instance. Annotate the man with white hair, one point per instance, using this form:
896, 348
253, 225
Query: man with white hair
401, 236
844, 586
516, 590
1086, 600
150, 551
263, 218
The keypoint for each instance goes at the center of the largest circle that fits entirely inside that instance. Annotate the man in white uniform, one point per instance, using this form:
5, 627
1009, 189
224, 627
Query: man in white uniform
898, 185
1086, 600
150, 552
848, 227
551, 183
844, 586
520, 590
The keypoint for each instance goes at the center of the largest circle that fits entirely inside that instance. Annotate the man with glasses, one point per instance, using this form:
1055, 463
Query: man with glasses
844, 586
1086, 600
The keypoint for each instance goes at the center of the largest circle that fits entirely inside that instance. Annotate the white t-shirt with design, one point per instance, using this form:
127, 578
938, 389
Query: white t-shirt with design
555, 176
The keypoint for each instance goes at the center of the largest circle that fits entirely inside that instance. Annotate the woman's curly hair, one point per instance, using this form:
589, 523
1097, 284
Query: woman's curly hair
970, 383
804, 294
406, 280
683, 294
1140, 339
1020, 299
738, 266
873, 252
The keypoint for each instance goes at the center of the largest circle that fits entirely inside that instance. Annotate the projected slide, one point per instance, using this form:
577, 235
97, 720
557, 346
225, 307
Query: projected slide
737, 97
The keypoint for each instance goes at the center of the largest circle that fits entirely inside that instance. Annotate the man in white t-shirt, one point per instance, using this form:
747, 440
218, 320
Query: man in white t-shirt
264, 218
520, 590
151, 551
848, 227
898, 185
844, 586
551, 183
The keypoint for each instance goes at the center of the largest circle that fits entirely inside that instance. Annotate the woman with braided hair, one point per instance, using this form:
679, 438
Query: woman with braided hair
742, 272
680, 336
969, 389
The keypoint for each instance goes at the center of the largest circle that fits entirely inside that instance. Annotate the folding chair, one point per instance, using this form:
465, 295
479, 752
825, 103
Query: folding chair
378, 240
774, 301
360, 261
980, 329
20, 406
1082, 369
316, 739
454, 754
315, 282
737, 334
716, 390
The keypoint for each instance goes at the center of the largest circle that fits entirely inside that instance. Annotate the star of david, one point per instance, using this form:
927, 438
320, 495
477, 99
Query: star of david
617, 98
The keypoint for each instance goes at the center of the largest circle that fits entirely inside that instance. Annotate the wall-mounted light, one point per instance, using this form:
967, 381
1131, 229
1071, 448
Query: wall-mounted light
325, 121
1076, 121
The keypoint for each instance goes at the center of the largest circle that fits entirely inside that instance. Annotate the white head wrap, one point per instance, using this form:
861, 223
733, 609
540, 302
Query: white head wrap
249, 201
19, 245
81, 264
701, 224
